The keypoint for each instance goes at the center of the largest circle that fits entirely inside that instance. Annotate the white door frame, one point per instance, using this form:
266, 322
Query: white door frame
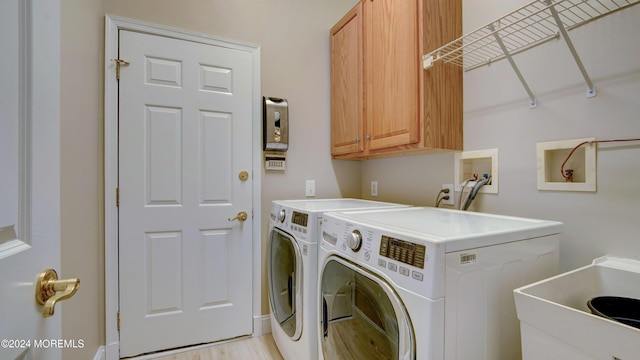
112, 25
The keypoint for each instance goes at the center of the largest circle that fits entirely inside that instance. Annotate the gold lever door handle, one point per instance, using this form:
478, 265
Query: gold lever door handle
50, 290
242, 216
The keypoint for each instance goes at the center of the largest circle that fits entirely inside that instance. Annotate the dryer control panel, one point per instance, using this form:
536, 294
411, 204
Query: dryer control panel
299, 218
292, 221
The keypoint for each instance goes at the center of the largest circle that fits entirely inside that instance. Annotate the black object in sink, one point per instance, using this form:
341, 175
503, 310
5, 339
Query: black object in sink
624, 310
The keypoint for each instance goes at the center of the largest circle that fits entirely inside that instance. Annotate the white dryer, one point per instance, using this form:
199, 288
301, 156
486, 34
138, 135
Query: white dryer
292, 266
427, 283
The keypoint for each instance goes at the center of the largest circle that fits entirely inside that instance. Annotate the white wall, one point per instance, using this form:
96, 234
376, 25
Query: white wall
497, 115
81, 174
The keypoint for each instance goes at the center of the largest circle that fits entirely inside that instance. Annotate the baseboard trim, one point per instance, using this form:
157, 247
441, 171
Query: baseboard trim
112, 351
101, 354
261, 325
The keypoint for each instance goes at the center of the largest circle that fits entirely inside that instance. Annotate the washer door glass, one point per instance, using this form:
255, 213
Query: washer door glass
362, 316
285, 276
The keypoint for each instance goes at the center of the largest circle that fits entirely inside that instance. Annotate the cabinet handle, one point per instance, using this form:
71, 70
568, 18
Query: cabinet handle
368, 138
357, 140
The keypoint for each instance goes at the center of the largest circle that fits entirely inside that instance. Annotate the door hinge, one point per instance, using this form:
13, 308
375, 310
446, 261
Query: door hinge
118, 320
117, 196
119, 62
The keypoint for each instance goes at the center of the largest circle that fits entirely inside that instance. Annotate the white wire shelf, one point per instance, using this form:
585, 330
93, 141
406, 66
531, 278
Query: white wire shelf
522, 29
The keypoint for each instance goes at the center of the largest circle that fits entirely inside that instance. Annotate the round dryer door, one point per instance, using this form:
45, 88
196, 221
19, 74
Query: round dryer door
362, 317
285, 276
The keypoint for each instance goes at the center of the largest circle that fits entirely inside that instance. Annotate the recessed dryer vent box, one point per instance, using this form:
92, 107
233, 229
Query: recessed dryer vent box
478, 162
582, 163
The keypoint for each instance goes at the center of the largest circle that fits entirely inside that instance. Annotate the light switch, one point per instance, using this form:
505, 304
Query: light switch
310, 188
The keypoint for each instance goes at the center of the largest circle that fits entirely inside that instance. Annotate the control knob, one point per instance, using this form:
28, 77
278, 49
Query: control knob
282, 215
354, 241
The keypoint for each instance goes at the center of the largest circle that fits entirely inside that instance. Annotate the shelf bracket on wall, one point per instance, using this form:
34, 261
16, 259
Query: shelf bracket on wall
509, 58
591, 90
531, 25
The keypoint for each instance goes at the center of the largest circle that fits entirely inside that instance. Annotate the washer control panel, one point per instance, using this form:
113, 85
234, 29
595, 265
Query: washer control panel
404, 251
411, 263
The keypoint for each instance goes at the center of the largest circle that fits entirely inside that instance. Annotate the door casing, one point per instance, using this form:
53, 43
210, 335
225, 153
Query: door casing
112, 25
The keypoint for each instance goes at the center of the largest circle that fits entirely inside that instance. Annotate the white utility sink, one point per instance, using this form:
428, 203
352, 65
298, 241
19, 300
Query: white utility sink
555, 322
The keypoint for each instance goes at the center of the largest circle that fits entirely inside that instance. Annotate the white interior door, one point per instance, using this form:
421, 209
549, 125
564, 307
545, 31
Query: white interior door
29, 173
185, 115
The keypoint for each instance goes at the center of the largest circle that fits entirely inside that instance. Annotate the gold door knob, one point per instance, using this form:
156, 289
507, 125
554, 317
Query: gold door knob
242, 216
50, 290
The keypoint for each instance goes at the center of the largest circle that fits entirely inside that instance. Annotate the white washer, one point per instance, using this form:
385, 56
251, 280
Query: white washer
427, 283
293, 270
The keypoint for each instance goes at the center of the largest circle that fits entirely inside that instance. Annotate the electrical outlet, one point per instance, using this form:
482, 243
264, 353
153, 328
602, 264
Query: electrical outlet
451, 194
374, 188
310, 188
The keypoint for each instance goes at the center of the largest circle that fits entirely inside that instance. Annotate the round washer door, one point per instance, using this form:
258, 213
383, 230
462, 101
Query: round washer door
362, 316
285, 282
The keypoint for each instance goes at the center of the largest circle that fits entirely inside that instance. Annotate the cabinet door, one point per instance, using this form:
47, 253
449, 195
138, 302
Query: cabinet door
392, 73
346, 84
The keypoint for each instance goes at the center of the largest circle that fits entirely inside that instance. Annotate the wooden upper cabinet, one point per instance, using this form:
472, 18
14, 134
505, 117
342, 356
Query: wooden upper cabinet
382, 100
346, 84
442, 110
392, 92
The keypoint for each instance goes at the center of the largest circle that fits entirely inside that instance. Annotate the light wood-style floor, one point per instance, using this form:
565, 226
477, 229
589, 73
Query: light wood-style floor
254, 348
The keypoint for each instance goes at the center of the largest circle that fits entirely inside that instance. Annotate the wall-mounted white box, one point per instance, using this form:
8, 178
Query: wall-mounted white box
582, 162
478, 162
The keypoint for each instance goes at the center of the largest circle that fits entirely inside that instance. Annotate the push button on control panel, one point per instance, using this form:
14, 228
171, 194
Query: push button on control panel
417, 275
404, 271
